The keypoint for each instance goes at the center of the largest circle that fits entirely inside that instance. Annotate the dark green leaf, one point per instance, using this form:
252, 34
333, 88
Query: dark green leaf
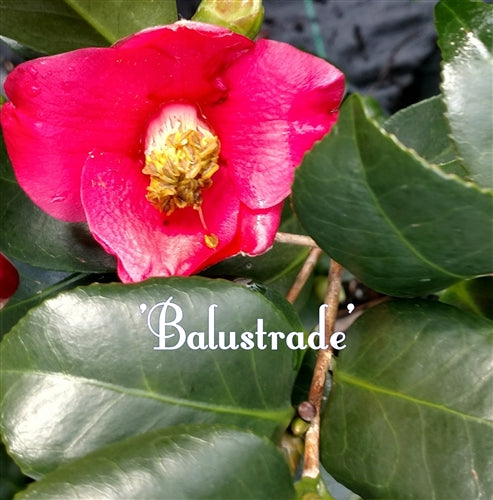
475, 296
133, 15
81, 370
30, 235
53, 26
410, 413
276, 268
303, 381
399, 224
178, 463
465, 32
373, 109
37, 285
11, 477
18, 306
49, 26
423, 128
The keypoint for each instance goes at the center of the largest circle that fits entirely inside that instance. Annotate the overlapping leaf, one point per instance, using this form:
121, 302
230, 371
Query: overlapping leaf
423, 127
465, 36
80, 371
53, 26
411, 410
475, 296
177, 463
398, 223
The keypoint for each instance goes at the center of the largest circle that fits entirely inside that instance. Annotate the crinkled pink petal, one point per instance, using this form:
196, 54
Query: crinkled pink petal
280, 101
258, 228
256, 232
183, 34
62, 107
147, 242
198, 53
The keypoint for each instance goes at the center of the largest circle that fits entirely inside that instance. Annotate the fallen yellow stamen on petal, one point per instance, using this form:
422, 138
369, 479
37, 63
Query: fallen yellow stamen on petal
211, 240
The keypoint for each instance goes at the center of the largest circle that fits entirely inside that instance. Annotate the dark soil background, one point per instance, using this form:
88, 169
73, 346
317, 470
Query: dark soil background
386, 48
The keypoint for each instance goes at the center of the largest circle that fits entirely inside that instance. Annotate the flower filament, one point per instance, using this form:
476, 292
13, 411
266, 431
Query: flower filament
181, 156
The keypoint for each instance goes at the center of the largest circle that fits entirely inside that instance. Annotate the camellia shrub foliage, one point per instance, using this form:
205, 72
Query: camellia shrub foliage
157, 177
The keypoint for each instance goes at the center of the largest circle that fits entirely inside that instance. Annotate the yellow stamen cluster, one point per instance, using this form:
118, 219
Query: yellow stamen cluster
181, 165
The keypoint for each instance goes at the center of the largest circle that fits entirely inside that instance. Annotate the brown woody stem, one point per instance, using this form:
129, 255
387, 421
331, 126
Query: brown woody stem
311, 466
304, 274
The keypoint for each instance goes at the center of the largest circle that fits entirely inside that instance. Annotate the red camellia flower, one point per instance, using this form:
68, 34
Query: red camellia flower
177, 145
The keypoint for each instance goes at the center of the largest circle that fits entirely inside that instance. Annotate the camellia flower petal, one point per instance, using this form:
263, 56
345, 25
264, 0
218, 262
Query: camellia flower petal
177, 145
9, 280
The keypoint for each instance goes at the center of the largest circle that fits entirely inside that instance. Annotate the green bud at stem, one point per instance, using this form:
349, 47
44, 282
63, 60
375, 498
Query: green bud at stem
299, 427
242, 16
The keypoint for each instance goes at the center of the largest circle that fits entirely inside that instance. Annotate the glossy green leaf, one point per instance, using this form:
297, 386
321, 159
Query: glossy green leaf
81, 370
178, 463
36, 285
465, 36
411, 410
423, 127
17, 307
475, 296
30, 235
373, 109
398, 223
53, 26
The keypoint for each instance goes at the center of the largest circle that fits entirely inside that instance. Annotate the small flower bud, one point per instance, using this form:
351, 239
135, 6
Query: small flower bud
299, 427
242, 16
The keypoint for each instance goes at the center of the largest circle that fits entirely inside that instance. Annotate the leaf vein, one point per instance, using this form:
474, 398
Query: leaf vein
275, 415
344, 377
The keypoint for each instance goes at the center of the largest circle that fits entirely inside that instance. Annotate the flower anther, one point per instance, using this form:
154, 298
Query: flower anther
181, 156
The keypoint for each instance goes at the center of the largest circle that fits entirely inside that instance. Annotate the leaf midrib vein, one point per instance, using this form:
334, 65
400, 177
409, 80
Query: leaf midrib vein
363, 384
273, 415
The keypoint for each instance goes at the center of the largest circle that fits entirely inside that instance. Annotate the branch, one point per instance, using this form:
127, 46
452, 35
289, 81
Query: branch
304, 274
345, 320
311, 466
295, 239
